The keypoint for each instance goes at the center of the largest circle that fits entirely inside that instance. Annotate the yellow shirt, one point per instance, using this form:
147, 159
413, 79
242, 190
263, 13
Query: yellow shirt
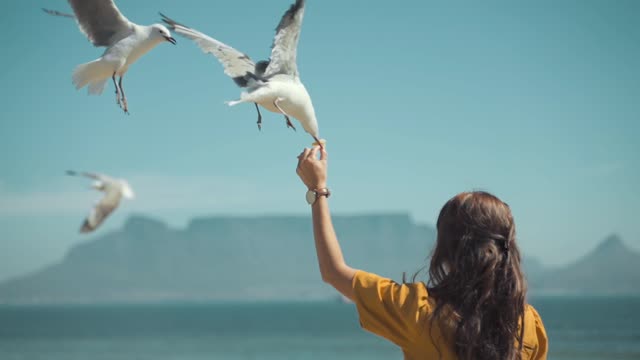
399, 313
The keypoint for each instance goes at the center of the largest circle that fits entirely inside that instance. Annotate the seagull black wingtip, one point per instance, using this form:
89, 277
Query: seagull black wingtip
58, 13
169, 21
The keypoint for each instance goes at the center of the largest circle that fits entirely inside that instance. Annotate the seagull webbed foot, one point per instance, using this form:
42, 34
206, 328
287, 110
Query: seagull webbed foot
289, 124
124, 105
115, 84
259, 118
286, 116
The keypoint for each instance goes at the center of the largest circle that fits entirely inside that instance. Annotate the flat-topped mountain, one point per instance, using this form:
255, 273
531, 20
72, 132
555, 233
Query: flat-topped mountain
220, 258
272, 258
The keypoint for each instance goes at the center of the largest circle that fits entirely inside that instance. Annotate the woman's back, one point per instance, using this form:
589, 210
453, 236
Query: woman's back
402, 313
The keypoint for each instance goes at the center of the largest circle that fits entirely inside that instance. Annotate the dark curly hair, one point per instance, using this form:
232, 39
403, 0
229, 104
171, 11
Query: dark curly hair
476, 280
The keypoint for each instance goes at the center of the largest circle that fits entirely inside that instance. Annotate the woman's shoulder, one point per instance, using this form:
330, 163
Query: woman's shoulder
390, 309
532, 313
535, 336
370, 286
368, 278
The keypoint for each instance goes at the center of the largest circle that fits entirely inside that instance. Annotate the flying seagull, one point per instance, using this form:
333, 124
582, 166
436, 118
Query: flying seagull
126, 42
113, 189
273, 84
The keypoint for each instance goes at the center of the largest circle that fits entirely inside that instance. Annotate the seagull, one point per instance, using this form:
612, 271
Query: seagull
113, 189
126, 42
273, 84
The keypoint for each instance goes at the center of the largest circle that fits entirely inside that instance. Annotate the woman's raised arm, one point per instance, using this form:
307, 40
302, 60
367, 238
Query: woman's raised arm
333, 268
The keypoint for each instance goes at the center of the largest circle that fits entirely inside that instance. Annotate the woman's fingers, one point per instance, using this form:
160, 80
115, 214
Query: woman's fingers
302, 156
323, 154
310, 155
313, 153
310, 169
303, 153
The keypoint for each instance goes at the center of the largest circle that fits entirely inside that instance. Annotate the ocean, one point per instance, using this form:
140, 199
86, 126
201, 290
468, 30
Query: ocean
578, 328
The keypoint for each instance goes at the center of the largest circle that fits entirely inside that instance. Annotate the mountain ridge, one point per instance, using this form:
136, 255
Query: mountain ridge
218, 258
611, 268
273, 258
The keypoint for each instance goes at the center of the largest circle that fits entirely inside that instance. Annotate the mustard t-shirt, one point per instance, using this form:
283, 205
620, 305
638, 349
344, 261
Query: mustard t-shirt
399, 313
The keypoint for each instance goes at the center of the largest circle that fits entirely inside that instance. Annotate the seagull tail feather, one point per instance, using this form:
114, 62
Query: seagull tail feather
94, 73
233, 102
96, 87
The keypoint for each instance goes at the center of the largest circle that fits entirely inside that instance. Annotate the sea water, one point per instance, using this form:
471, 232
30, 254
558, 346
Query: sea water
578, 328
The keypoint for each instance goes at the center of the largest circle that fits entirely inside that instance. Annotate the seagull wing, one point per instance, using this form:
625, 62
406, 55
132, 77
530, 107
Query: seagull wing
100, 212
90, 175
58, 13
285, 43
101, 21
236, 64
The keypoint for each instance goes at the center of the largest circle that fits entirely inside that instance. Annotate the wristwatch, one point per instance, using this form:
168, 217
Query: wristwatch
313, 195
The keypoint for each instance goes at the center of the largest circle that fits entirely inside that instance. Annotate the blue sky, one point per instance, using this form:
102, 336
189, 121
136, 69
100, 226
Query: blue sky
536, 102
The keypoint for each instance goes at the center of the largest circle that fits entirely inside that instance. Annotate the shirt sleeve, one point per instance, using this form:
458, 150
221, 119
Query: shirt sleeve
389, 309
541, 334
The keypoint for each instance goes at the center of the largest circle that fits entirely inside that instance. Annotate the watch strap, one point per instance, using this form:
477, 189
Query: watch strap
322, 192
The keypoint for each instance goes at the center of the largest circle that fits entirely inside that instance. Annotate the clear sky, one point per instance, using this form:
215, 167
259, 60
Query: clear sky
538, 102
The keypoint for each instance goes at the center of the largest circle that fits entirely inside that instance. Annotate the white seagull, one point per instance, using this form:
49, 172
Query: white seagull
113, 189
126, 42
273, 84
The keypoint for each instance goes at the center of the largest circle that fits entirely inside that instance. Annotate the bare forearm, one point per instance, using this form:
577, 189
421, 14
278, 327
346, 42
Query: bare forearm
313, 173
333, 268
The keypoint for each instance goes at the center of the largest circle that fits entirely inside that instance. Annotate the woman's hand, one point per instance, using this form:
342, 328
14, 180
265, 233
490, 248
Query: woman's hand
313, 171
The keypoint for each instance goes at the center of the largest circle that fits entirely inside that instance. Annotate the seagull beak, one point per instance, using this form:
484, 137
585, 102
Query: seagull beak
171, 39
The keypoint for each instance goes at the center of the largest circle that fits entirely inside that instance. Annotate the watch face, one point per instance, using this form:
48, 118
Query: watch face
311, 197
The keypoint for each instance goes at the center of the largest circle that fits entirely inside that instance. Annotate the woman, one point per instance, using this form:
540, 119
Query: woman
474, 305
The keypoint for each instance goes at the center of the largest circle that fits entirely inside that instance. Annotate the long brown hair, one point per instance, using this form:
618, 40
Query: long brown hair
476, 280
